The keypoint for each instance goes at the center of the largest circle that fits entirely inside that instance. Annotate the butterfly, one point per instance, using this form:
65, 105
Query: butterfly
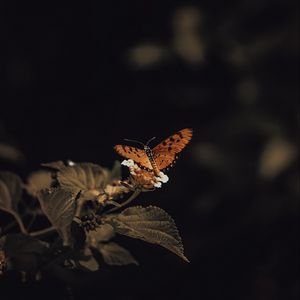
161, 156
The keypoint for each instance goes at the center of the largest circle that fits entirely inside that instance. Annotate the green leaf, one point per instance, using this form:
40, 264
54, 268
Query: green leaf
37, 181
115, 255
150, 224
59, 206
82, 177
10, 191
88, 261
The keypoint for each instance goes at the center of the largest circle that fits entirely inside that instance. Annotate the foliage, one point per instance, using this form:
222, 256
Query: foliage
10, 191
151, 224
83, 204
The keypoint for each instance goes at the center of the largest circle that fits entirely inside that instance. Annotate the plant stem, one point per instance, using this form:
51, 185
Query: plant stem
19, 221
10, 225
41, 232
131, 198
31, 221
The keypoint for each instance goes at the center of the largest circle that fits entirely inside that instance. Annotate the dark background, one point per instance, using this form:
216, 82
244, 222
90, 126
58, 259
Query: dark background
79, 78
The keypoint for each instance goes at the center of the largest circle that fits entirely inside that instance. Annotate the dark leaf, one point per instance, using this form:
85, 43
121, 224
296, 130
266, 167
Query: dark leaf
20, 243
2, 241
26, 262
102, 234
113, 254
37, 181
10, 191
3, 262
82, 177
56, 165
59, 206
89, 262
23, 251
78, 234
151, 224
10, 152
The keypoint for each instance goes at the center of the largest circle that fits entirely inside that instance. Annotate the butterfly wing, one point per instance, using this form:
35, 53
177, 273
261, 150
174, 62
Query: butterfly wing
165, 153
137, 155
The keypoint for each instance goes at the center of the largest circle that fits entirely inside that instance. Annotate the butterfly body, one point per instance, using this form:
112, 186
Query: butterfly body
161, 156
151, 158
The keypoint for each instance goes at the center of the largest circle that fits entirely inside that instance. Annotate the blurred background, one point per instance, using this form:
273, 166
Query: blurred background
79, 78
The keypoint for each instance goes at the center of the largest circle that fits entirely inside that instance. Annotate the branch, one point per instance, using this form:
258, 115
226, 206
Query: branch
9, 226
131, 198
33, 217
19, 221
42, 232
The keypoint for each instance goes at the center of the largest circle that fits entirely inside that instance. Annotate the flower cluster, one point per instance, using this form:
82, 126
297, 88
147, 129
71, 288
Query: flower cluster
144, 180
111, 193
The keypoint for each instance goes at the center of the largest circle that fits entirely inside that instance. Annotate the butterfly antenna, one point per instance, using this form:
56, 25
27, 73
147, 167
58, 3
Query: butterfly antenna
150, 140
134, 141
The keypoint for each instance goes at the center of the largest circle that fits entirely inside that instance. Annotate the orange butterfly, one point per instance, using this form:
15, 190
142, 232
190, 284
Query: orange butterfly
161, 156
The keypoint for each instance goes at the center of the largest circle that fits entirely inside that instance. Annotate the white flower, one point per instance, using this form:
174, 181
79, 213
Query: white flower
144, 178
163, 177
157, 184
128, 163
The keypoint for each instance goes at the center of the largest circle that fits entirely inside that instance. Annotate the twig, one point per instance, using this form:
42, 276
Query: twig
19, 221
131, 198
8, 226
41, 232
31, 221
